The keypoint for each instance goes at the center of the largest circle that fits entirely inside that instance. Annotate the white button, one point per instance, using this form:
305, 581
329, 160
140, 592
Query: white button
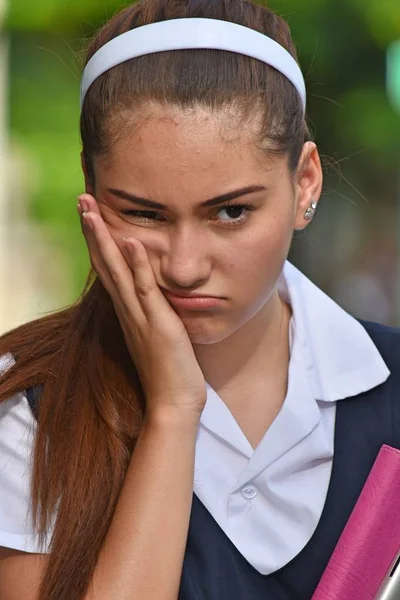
249, 492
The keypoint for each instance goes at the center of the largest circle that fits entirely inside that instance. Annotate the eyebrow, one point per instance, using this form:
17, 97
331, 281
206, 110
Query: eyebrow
212, 202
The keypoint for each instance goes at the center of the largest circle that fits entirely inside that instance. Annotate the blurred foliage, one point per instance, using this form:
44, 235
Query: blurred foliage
342, 48
59, 16
44, 119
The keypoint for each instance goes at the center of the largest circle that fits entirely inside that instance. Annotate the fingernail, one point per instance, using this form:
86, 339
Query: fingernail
87, 222
128, 239
83, 203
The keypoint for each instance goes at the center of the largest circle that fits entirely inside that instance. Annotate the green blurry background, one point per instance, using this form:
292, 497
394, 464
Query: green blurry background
351, 250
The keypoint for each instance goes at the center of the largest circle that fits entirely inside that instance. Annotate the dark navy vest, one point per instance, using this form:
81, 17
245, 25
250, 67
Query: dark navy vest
215, 570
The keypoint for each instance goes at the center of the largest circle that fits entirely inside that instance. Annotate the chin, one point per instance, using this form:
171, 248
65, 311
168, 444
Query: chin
213, 329
207, 331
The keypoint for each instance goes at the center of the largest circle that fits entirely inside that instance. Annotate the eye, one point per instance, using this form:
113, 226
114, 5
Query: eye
229, 215
143, 215
234, 214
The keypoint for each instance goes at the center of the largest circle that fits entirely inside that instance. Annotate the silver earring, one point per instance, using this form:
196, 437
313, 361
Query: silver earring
310, 212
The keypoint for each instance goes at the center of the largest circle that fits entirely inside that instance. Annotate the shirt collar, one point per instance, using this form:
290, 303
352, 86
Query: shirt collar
342, 360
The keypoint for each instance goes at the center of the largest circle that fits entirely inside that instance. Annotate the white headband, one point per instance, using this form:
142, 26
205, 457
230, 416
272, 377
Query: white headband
183, 34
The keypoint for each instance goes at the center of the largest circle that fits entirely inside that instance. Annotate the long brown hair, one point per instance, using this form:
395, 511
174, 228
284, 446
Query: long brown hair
92, 405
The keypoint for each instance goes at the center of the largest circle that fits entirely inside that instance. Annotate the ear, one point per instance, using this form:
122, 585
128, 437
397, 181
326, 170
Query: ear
89, 187
308, 184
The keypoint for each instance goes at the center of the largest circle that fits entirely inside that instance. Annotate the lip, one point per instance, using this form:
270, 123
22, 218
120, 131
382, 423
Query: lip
192, 301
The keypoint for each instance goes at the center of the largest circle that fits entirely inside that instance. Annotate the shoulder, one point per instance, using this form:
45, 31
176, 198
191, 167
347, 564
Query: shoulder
387, 341
381, 330
17, 435
16, 418
6, 362
19, 402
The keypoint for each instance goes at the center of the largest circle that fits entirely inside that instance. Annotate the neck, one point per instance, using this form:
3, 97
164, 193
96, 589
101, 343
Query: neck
259, 349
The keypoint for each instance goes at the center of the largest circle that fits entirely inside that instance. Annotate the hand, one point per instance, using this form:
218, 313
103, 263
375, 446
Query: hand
156, 337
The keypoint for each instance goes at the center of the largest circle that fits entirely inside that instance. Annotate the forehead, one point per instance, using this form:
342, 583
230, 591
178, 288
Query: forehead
170, 149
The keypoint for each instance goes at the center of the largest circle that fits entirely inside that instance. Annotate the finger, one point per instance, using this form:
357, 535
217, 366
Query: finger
87, 207
135, 253
88, 203
149, 297
109, 263
148, 292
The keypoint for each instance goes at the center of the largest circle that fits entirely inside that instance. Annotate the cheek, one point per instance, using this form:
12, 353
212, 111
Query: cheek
260, 253
154, 242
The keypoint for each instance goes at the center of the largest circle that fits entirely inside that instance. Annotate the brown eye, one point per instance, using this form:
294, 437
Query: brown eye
234, 214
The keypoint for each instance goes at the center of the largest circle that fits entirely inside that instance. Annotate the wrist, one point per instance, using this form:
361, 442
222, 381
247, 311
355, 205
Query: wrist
172, 418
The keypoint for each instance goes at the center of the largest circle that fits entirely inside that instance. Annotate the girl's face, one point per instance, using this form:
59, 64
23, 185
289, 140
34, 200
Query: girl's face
215, 215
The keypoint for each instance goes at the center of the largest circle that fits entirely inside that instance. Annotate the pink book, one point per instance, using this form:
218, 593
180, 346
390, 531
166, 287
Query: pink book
370, 542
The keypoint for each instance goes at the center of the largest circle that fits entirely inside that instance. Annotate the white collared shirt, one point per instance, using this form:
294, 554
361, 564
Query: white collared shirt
268, 501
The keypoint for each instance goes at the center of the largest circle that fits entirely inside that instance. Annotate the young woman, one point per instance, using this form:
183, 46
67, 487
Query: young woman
198, 359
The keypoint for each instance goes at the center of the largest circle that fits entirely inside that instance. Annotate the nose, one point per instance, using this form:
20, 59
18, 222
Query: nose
186, 263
